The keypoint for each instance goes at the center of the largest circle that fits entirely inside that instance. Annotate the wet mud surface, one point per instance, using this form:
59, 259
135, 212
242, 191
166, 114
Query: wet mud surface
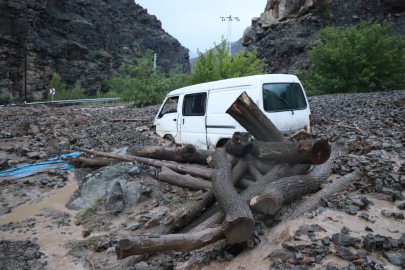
60, 220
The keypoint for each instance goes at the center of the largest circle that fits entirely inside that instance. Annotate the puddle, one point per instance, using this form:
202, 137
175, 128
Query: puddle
50, 239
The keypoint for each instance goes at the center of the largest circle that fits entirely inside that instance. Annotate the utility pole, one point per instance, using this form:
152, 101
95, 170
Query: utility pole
228, 38
25, 72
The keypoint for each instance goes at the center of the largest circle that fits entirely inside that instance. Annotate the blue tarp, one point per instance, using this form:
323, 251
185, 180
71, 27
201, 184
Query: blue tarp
53, 163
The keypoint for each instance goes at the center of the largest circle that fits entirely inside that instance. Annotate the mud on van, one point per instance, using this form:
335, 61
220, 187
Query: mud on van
197, 114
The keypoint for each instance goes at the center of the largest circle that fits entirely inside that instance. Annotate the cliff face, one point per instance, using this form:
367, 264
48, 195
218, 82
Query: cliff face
287, 29
79, 39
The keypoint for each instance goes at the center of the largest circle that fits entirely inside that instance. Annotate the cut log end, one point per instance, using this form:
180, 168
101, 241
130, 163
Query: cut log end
320, 152
267, 204
238, 230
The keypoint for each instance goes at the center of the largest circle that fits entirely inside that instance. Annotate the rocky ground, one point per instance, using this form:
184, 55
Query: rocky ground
57, 219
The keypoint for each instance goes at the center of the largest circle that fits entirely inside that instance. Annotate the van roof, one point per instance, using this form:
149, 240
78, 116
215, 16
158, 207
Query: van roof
235, 82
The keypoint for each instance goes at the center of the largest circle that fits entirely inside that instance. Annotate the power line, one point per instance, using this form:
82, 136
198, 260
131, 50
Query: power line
228, 38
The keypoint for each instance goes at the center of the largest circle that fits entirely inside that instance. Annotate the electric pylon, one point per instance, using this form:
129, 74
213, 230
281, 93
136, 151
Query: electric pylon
228, 38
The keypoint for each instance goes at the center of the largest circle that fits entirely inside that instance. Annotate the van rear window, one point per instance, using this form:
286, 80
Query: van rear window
283, 97
194, 104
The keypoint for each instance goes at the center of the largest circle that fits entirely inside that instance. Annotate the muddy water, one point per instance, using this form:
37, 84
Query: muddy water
332, 222
51, 241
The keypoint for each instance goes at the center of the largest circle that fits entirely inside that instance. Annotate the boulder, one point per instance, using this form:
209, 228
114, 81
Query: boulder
115, 202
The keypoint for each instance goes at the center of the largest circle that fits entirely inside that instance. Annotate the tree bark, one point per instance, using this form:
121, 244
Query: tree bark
179, 218
338, 185
263, 166
305, 152
178, 242
254, 173
186, 154
249, 115
84, 162
205, 173
238, 224
181, 180
240, 144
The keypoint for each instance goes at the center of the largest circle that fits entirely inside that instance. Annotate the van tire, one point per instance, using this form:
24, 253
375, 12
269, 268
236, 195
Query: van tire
221, 142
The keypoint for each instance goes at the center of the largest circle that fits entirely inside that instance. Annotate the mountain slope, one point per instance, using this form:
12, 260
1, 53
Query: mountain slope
79, 39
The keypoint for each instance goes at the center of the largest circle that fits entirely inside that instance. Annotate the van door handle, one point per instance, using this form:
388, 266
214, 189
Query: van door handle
174, 120
183, 121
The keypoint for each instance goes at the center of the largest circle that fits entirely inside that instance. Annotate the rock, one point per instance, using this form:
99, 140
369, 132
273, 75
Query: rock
326, 241
351, 209
85, 233
367, 217
345, 230
115, 202
281, 255
228, 256
401, 206
296, 245
346, 254
334, 266
395, 257
318, 259
33, 155
136, 227
307, 261
134, 171
153, 222
395, 194
369, 243
368, 229
387, 213
341, 239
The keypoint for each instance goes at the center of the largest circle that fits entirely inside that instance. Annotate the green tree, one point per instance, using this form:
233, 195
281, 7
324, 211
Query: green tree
62, 92
357, 59
141, 83
217, 64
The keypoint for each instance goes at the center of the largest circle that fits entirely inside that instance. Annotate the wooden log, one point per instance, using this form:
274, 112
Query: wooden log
186, 154
249, 115
263, 166
178, 242
84, 162
178, 218
305, 152
338, 185
238, 224
240, 144
182, 180
205, 173
254, 172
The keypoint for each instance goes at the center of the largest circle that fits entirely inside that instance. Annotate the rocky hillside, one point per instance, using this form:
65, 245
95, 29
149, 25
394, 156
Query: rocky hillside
287, 29
79, 39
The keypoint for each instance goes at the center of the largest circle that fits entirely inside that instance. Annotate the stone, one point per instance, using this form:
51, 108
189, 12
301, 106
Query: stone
85, 233
308, 261
281, 255
387, 213
153, 222
368, 229
318, 259
346, 254
341, 239
33, 155
134, 171
115, 202
395, 257
379, 186
296, 245
326, 241
367, 217
351, 209
395, 194
334, 266
345, 230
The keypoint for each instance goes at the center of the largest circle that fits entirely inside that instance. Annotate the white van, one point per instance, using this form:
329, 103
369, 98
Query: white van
197, 114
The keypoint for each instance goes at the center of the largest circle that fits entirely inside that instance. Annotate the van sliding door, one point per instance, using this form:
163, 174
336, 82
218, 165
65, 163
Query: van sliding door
192, 122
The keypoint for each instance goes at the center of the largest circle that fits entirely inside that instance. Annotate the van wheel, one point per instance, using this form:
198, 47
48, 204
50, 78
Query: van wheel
221, 143
170, 138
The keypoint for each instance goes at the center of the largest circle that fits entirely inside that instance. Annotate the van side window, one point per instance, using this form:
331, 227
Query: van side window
283, 97
194, 104
170, 106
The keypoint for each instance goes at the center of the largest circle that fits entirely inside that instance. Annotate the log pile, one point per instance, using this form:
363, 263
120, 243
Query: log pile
278, 172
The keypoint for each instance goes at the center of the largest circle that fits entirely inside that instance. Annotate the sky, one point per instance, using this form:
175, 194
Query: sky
197, 24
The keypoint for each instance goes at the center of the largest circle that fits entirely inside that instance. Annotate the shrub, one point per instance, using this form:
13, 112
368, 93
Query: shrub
217, 64
356, 59
5, 99
62, 92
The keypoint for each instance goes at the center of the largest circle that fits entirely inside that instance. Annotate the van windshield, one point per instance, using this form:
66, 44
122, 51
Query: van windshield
283, 97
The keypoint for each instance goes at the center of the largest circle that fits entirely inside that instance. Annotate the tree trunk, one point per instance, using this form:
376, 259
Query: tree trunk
263, 166
254, 173
205, 173
240, 144
181, 180
84, 162
248, 114
178, 242
177, 219
305, 152
186, 154
338, 185
238, 224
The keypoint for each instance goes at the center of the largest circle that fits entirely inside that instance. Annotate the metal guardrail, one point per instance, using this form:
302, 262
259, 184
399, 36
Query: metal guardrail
72, 101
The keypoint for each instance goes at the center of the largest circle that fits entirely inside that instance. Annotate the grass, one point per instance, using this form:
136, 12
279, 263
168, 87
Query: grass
100, 201
174, 202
